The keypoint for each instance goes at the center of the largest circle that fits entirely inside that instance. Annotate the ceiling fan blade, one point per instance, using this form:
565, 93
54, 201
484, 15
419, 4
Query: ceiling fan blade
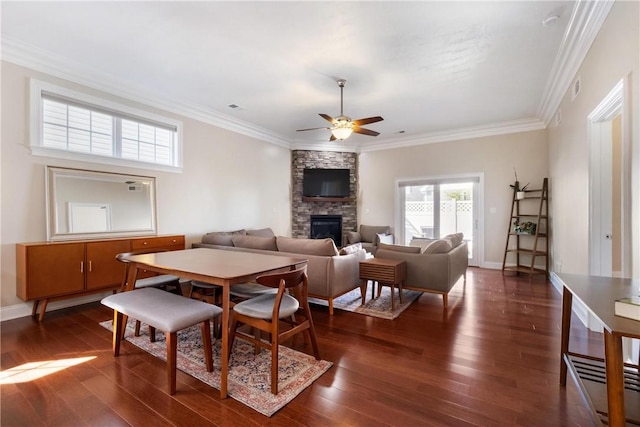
364, 131
368, 120
328, 118
333, 138
302, 130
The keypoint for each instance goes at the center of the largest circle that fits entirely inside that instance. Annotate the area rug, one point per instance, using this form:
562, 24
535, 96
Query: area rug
249, 378
377, 307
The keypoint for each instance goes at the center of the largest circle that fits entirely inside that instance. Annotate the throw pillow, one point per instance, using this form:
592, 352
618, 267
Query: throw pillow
354, 237
384, 238
456, 238
262, 232
399, 248
322, 247
421, 241
255, 242
440, 246
351, 249
222, 238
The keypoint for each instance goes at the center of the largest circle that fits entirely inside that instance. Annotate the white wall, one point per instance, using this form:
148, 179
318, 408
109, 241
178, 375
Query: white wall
495, 157
229, 181
613, 55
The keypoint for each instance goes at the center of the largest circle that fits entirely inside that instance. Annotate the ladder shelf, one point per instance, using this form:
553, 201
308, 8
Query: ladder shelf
527, 238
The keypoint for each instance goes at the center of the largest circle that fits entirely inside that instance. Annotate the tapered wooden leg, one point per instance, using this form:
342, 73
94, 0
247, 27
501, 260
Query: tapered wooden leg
567, 302
117, 332
205, 328
615, 379
232, 334
34, 308
274, 362
43, 308
330, 306
152, 334
445, 300
136, 332
172, 354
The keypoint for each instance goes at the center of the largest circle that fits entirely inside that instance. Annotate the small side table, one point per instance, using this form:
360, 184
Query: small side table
390, 272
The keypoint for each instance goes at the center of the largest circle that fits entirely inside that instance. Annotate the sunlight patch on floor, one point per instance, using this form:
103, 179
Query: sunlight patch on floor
34, 370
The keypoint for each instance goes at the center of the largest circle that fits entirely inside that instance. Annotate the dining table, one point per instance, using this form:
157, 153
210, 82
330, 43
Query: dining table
223, 268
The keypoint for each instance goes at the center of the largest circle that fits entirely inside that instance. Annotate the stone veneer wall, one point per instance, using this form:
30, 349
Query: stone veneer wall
301, 211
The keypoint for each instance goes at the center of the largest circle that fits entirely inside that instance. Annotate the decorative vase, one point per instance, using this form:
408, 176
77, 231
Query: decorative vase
520, 195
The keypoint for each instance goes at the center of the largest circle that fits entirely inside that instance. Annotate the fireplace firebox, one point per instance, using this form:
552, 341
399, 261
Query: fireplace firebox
323, 226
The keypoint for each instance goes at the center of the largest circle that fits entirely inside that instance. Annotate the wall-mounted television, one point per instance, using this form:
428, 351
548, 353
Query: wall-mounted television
325, 183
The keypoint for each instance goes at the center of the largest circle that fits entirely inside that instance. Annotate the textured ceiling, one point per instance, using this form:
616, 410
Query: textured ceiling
427, 67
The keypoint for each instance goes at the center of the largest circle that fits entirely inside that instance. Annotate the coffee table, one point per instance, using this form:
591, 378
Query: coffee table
391, 272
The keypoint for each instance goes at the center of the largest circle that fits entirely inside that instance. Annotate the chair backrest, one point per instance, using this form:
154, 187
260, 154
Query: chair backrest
122, 257
290, 279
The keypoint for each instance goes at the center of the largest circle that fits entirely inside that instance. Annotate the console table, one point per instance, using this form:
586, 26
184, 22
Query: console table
390, 272
611, 387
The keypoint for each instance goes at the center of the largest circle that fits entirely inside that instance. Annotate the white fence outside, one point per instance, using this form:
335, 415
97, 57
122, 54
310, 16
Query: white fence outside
455, 217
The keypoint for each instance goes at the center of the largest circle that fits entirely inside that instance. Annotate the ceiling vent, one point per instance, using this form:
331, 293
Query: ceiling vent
575, 88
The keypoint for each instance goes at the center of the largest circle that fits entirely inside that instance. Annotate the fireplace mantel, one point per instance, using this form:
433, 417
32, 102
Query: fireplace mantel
328, 199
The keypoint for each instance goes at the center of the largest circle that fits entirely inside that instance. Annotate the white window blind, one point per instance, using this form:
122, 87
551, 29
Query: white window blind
76, 125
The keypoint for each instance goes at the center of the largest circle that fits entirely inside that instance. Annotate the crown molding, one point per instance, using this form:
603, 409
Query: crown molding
586, 21
513, 126
44, 61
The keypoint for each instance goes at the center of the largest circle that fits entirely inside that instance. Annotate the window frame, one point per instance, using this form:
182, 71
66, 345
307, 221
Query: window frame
120, 111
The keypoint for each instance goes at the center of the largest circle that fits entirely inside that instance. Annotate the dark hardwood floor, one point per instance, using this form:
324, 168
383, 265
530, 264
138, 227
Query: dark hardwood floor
492, 359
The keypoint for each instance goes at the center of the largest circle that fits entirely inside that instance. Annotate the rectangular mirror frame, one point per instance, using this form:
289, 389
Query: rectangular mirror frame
146, 223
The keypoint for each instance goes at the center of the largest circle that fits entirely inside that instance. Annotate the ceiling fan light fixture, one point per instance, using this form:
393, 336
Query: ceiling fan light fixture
342, 128
342, 133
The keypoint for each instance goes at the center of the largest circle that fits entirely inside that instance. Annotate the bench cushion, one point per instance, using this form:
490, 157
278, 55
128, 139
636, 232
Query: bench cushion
160, 309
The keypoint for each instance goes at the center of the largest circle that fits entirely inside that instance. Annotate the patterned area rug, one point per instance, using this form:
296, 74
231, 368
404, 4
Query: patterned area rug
377, 307
249, 375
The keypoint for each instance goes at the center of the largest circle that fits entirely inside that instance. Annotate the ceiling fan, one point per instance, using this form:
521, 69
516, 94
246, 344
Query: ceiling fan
342, 126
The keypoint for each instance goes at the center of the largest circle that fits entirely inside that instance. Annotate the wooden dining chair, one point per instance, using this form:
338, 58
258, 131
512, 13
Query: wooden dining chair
266, 312
166, 282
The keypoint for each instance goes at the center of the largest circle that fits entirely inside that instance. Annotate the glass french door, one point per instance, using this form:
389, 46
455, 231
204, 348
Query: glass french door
434, 208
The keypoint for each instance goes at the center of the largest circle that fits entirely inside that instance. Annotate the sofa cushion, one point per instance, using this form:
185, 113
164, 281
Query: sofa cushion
440, 246
221, 237
262, 232
368, 233
384, 238
351, 249
322, 247
400, 248
255, 242
354, 237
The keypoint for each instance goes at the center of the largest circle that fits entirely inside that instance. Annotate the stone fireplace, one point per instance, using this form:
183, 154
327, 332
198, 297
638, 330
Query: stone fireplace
302, 210
323, 226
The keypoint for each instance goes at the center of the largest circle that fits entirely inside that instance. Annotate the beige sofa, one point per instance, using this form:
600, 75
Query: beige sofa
369, 236
432, 265
331, 272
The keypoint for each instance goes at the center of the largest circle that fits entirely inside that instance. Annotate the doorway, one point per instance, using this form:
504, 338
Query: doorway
434, 207
610, 184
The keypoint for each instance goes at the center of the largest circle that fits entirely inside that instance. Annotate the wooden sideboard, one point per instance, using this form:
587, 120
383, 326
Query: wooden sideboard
49, 271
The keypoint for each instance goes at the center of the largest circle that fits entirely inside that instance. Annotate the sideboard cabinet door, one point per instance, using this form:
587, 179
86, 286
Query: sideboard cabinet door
103, 270
50, 270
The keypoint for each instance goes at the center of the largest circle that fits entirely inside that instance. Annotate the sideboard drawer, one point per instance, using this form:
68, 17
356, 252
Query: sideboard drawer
176, 242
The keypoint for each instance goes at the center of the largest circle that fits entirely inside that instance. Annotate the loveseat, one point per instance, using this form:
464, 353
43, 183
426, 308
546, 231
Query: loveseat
331, 272
433, 265
369, 236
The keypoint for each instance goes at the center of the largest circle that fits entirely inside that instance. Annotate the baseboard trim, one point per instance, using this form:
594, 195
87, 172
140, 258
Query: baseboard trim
24, 309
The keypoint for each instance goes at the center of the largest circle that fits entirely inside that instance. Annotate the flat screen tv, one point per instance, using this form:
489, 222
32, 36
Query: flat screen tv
325, 183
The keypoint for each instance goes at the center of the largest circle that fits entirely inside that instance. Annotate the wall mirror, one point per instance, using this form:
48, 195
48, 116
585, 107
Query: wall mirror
83, 204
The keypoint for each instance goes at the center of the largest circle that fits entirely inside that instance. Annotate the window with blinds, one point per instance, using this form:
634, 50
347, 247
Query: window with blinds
81, 125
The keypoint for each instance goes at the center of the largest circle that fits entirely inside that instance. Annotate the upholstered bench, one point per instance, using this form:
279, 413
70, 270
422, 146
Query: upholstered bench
167, 312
